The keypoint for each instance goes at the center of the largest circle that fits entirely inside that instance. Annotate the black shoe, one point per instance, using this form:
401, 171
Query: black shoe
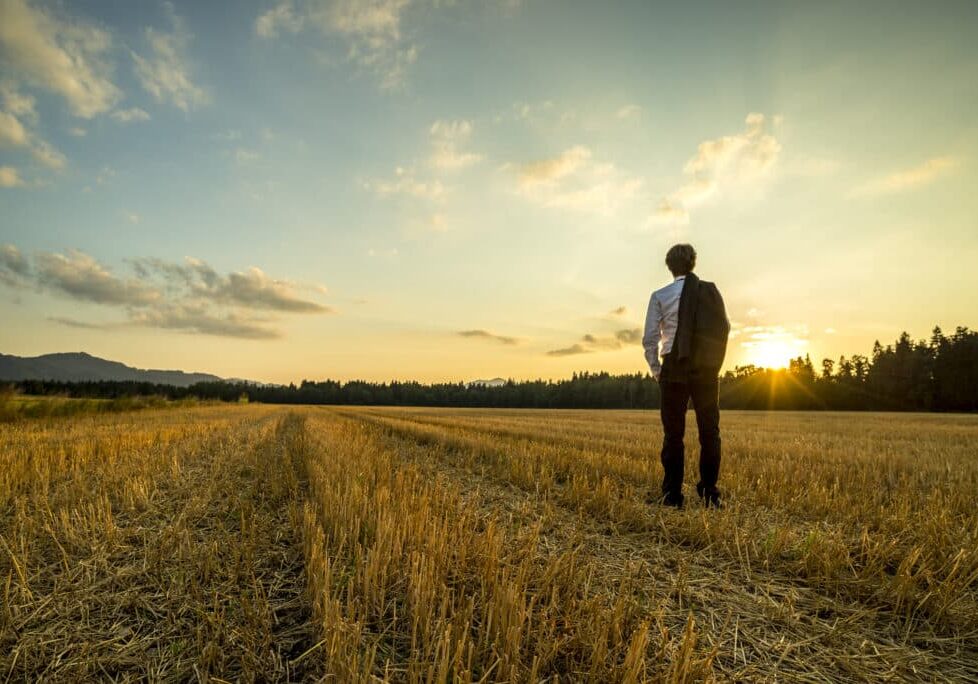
672, 499
709, 496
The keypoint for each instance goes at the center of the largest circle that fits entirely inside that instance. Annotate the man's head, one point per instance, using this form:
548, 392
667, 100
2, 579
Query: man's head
681, 260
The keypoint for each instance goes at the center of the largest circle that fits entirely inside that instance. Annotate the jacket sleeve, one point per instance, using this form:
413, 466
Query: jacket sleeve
653, 333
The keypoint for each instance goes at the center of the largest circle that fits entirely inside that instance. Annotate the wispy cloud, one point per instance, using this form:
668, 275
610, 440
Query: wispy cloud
199, 319
130, 115
486, 335
190, 297
15, 271
728, 162
406, 183
371, 29
164, 71
631, 111
64, 57
572, 180
909, 179
592, 343
13, 132
448, 139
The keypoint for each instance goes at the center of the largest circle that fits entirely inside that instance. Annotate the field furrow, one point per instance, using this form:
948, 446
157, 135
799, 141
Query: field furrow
757, 624
167, 557
251, 543
893, 573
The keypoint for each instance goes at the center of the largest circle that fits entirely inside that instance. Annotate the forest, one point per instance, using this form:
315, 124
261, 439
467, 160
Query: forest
938, 374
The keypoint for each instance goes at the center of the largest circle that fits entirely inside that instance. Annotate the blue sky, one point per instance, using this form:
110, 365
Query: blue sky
442, 191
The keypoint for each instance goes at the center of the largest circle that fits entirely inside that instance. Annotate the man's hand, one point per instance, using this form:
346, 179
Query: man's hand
656, 374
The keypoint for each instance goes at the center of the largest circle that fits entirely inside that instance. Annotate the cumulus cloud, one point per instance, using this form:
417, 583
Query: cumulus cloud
130, 115
730, 161
79, 276
591, 343
371, 30
448, 139
486, 335
252, 289
573, 180
60, 56
908, 179
191, 296
164, 71
10, 177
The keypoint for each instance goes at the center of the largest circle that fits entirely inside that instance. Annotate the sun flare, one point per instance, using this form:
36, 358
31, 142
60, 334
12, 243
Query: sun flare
772, 354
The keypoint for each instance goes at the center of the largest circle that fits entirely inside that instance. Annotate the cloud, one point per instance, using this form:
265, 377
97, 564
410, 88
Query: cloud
252, 288
72, 323
10, 177
197, 319
16, 102
486, 335
591, 343
908, 179
572, 180
79, 276
630, 111
63, 57
447, 140
731, 161
165, 71
48, 156
371, 30
619, 311
570, 351
12, 132
405, 183
280, 18
130, 115
190, 297
14, 268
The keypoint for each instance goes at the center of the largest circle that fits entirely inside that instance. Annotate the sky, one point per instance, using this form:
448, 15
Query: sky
445, 191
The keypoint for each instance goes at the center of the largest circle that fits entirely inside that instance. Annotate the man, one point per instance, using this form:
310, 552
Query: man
687, 325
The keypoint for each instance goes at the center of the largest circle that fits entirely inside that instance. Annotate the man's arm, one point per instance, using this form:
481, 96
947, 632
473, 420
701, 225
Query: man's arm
650, 340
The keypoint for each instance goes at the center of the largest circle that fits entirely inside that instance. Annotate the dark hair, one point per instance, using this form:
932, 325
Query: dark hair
681, 259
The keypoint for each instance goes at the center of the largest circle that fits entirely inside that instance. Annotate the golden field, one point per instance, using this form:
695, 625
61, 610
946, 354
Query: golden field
227, 543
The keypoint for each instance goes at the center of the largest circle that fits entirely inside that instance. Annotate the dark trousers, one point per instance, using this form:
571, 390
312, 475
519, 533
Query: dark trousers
677, 386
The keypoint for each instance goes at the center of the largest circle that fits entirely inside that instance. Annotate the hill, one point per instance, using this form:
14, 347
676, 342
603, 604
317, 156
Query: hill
82, 367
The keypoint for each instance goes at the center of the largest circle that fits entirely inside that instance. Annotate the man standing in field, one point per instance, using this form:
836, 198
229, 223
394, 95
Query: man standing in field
687, 325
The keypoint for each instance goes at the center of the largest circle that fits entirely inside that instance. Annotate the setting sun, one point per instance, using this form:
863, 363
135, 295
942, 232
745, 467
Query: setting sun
772, 353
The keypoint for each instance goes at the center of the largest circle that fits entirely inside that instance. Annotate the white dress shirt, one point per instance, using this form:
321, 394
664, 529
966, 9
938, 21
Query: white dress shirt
661, 323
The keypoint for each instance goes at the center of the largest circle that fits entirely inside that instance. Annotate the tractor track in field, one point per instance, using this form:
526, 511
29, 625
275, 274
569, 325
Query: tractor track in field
756, 617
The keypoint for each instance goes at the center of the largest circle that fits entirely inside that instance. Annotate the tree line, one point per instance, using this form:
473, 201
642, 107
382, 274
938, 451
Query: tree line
939, 374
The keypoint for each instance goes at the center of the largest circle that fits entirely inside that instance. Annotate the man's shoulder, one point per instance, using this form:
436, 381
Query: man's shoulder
664, 289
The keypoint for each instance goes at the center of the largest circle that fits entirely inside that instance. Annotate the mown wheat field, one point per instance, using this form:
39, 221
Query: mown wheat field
242, 543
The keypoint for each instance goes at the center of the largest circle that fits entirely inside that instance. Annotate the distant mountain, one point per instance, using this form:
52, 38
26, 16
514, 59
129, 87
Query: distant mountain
495, 382
80, 367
